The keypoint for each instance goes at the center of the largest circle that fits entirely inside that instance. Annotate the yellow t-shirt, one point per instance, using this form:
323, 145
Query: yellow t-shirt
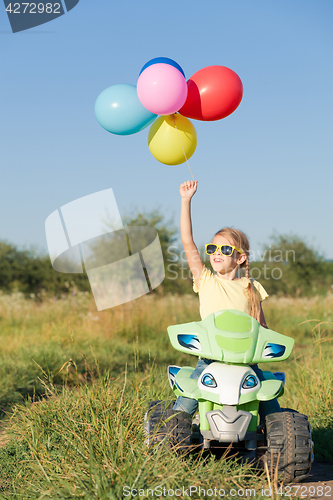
217, 293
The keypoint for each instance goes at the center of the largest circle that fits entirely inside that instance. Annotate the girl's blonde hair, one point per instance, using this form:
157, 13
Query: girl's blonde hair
240, 240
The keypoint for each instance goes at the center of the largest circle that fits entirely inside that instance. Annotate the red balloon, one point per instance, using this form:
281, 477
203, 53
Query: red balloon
214, 92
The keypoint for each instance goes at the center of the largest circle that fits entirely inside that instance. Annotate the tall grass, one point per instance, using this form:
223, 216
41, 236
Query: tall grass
98, 372
89, 443
71, 331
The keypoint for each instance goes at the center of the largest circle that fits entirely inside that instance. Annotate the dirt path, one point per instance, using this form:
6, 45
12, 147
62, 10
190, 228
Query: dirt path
318, 485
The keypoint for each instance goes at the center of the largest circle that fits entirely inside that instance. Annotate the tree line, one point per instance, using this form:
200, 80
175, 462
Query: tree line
287, 266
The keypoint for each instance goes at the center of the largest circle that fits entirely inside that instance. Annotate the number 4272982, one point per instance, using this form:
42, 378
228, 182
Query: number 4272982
33, 8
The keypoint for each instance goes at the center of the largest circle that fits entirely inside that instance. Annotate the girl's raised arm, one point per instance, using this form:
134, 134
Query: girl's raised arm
187, 190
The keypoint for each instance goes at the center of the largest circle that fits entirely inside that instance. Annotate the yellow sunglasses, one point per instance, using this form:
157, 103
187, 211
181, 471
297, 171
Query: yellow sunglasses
226, 250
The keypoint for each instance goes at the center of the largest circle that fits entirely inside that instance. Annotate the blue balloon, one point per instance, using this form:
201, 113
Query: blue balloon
119, 110
163, 60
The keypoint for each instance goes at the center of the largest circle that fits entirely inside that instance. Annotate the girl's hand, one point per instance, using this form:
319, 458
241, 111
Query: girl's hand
187, 189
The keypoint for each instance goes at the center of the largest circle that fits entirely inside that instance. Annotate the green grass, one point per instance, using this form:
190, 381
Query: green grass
89, 443
64, 337
98, 372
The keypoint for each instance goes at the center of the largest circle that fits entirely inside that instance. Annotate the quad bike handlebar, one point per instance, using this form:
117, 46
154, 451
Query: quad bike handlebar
232, 337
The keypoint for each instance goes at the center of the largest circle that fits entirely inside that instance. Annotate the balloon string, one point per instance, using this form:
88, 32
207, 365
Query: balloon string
173, 117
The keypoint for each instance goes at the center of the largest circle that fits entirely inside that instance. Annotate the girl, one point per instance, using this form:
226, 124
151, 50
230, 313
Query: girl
228, 252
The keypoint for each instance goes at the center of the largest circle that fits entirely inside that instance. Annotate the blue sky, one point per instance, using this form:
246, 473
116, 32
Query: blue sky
266, 168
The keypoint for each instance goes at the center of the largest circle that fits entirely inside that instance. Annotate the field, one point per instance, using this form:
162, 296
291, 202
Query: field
75, 384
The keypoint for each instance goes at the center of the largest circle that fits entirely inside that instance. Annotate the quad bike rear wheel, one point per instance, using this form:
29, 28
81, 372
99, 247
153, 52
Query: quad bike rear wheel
289, 445
163, 425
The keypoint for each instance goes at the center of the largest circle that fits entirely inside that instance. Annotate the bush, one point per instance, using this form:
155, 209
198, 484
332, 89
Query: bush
28, 272
289, 267
177, 278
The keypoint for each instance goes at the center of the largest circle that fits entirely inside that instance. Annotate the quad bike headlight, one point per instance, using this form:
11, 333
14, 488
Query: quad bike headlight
209, 381
250, 382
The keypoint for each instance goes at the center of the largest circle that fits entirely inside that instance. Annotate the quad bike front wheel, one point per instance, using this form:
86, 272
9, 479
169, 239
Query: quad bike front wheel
163, 425
289, 445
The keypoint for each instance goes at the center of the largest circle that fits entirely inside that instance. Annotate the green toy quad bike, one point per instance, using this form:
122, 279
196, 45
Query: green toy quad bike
228, 392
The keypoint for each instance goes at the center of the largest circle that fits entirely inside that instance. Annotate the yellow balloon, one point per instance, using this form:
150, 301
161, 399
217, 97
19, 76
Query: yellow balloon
168, 136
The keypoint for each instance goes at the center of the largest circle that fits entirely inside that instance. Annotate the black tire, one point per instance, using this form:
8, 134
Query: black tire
289, 445
165, 426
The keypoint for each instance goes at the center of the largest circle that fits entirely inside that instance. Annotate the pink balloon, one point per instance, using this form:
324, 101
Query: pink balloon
162, 89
